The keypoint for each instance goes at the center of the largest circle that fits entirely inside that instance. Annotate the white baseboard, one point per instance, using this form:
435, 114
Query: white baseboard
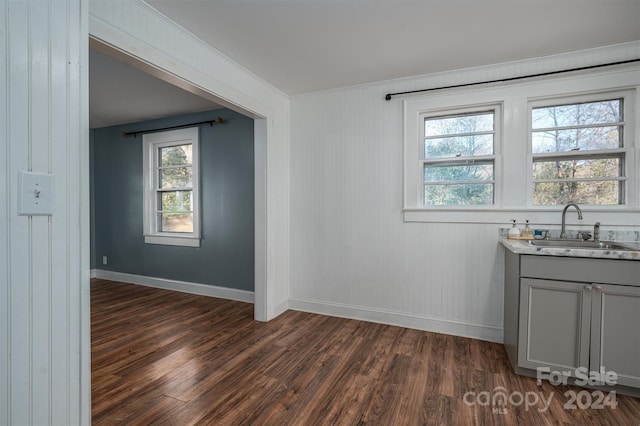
182, 286
281, 309
92, 273
437, 325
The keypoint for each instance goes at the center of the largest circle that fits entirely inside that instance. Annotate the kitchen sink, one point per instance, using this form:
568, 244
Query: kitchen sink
580, 244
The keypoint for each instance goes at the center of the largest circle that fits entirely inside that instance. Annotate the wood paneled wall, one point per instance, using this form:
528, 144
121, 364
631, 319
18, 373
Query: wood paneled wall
44, 263
351, 252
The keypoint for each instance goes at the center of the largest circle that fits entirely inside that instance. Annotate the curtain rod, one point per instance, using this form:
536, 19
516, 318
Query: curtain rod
182, 126
502, 80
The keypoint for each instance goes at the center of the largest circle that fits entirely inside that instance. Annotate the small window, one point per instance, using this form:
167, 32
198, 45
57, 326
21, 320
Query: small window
458, 166
578, 153
171, 187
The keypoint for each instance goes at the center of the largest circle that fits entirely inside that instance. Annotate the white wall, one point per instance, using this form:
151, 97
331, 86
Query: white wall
351, 252
44, 260
137, 30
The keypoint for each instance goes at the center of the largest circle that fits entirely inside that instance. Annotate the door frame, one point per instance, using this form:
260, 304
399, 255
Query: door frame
260, 160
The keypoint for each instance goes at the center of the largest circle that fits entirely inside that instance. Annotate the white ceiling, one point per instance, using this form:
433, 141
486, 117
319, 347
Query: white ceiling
119, 93
302, 46
308, 45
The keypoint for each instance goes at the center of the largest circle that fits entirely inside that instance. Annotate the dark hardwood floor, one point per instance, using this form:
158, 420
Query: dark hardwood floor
168, 358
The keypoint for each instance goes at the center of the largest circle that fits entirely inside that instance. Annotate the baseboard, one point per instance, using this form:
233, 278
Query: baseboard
437, 325
281, 308
182, 286
92, 273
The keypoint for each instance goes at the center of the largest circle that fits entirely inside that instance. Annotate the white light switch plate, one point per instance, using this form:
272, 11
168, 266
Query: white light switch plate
35, 194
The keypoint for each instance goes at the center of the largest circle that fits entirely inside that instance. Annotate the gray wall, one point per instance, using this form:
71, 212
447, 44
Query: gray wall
226, 253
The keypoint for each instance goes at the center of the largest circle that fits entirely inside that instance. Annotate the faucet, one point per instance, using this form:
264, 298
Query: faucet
564, 213
596, 232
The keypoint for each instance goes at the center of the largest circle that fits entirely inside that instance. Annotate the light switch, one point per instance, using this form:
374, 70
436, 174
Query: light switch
35, 194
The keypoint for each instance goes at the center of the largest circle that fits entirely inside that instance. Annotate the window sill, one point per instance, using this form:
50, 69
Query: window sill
171, 240
542, 216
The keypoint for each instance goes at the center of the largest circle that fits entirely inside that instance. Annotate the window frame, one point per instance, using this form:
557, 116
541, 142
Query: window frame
515, 186
151, 143
496, 108
626, 151
414, 157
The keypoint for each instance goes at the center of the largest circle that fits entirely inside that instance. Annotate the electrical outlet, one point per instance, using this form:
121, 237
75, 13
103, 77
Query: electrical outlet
104, 260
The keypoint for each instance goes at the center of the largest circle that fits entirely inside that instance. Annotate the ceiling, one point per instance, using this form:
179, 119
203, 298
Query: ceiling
308, 45
301, 46
119, 94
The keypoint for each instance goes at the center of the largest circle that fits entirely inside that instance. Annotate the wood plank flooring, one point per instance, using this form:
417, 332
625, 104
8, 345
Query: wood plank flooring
166, 358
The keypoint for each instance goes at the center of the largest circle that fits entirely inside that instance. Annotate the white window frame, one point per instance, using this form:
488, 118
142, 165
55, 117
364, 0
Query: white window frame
497, 138
628, 124
151, 143
514, 189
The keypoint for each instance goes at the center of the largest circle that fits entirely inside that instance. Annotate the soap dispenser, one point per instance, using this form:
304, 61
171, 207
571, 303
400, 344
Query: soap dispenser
514, 232
527, 232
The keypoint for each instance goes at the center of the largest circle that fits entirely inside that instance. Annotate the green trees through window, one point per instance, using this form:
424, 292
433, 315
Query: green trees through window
458, 167
578, 153
175, 182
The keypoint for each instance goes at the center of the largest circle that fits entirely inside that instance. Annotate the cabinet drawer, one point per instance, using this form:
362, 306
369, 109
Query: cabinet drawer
605, 271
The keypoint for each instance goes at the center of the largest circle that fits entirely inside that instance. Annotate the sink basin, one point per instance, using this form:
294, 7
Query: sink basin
579, 244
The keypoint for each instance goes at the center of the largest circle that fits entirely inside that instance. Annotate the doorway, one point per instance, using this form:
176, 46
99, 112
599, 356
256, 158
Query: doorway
192, 92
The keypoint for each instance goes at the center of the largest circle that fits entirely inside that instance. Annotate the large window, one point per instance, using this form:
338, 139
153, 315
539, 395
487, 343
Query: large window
458, 165
520, 151
171, 187
578, 152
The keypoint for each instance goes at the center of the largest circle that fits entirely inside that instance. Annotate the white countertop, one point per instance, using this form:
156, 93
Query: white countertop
523, 247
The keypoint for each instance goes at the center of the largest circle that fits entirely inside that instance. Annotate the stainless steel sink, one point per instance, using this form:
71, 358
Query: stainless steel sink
579, 244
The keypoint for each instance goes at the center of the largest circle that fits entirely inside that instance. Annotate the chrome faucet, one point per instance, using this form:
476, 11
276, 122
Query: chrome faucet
563, 234
596, 232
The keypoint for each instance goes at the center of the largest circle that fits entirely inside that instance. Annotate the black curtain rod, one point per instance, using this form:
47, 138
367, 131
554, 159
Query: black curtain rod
182, 126
502, 80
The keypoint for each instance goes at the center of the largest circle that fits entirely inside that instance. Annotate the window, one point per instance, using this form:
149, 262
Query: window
171, 196
520, 151
458, 165
578, 152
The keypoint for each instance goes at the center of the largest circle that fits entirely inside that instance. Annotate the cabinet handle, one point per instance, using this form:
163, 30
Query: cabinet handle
598, 288
588, 288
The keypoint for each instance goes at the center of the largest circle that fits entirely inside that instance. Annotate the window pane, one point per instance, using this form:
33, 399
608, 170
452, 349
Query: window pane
460, 179
175, 222
177, 155
176, 177
577, 114
466, 172
573, 131
576, 169
468, 123
595, 193
458, 194
583, 139
463, 146
175, 201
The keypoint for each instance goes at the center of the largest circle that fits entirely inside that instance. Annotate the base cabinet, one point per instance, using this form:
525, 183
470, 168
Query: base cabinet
555, 319
566, 320
615, 332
